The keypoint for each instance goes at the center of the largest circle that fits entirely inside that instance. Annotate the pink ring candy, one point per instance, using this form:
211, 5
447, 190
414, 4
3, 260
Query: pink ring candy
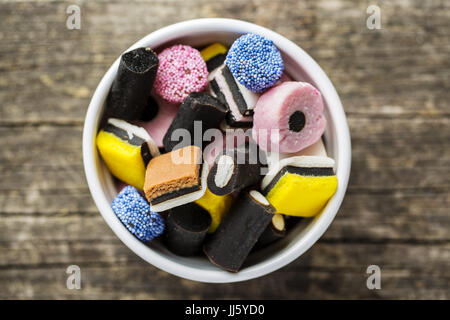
288, 117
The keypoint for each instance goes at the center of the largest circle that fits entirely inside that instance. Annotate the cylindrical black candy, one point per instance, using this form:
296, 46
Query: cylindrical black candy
291, 221
236, 169
150, 111
198, 108
186, 228
274, 231
239, 231
131, 88
149, 150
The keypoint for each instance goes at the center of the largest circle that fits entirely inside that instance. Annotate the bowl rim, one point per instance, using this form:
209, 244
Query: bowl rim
296, 249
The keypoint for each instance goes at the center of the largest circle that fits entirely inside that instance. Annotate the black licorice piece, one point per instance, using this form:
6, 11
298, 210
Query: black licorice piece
239, 231
216, 90
198, 106
297, 121
231, 121
291, 221
215, 61
236, 169
149, 150
186, 228
150, 111
121, 130
130, 90
237, 95
274, 231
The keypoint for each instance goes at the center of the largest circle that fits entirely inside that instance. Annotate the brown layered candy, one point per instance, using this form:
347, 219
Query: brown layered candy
175, 178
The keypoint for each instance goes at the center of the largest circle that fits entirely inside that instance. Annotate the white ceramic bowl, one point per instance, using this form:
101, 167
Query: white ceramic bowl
300, 66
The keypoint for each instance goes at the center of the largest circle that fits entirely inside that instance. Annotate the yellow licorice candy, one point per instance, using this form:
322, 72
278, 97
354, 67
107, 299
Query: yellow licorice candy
302, 185
301, 196
217, 206
119, 144
212, 51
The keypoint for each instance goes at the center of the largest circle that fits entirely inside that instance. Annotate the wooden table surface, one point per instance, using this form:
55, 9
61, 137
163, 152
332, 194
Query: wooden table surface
394, 84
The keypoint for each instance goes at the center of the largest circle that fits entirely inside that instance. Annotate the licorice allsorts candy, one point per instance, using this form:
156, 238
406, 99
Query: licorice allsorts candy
213, 150
181, 71
292, 221
316, 149
151, 110
130, 89
214, 55
125, 148
274, 231
239, 231
149, 150
135, 213
175, 178
231, 138
239, 100
217, 207
300, 186
186, 229
199, 108
231, 123
255, 62
158, 126
288, 117
236, 169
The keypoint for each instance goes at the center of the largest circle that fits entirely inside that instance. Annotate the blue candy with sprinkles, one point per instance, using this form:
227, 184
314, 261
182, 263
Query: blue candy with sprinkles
135, 213
255, 62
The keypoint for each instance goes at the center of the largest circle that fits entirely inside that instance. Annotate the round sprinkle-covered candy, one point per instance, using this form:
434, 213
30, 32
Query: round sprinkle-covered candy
134, 212
181, 71
255, 62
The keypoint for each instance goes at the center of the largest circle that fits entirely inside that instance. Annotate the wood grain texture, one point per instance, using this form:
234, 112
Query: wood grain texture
394, 84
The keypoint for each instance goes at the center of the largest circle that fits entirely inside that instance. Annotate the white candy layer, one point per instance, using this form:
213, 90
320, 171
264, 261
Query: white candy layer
278, 221
250, 97
259, 197
131, 129
140, 132
316, 149
225, 168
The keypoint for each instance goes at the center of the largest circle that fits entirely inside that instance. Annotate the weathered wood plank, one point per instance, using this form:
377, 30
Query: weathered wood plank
326, 271
416, 217
389, 217
41, 55
140, 282
392, 83
48, 250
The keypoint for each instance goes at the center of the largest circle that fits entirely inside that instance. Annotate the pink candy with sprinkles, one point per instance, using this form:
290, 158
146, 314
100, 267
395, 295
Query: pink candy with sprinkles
181, 71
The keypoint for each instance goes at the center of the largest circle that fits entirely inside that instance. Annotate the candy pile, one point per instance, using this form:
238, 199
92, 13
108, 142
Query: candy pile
219, 150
